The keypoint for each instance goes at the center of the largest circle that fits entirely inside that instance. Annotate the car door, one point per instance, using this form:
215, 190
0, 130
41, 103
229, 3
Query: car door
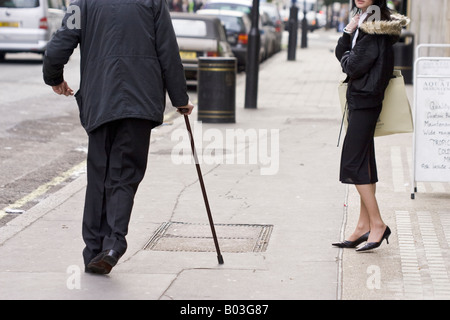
20, 22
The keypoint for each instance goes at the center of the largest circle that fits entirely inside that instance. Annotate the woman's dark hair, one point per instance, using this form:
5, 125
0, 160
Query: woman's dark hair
382, 4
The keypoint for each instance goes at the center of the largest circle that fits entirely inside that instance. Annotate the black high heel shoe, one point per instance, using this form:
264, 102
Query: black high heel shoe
352, 244
374, 245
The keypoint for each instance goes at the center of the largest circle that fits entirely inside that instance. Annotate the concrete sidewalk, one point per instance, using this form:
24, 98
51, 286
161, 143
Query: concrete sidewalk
276, 214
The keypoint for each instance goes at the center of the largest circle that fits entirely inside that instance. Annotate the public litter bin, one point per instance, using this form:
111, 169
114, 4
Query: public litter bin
404, 56
216, 90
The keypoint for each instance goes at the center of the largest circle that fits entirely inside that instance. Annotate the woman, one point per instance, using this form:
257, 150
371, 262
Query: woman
366, 56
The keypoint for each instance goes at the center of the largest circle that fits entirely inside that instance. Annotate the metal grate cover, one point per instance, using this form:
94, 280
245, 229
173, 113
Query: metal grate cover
236, 238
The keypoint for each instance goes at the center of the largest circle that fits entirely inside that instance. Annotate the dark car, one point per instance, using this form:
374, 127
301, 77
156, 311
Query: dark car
199, 36
237, 26
271, 25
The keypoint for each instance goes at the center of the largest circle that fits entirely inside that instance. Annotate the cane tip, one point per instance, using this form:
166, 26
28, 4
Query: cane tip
220, 259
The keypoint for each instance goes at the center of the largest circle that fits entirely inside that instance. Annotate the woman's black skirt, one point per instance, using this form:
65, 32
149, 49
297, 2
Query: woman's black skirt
358, 165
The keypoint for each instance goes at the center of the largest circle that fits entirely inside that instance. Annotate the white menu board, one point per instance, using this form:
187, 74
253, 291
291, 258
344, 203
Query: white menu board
432, 120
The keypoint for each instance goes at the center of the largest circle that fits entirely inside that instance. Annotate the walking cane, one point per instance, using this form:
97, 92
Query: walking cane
202, 184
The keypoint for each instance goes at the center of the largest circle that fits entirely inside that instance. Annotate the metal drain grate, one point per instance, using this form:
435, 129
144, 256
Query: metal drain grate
237, 238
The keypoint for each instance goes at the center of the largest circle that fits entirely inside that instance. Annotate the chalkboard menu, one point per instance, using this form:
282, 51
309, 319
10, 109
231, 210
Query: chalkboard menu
432, 120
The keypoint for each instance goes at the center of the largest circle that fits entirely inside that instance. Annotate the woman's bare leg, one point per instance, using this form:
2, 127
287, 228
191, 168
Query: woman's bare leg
363, 225
370, 210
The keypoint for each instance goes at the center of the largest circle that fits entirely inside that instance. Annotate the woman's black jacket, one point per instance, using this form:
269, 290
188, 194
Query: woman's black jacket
370, 64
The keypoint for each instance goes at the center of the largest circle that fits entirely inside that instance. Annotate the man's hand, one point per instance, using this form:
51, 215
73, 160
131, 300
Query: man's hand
186, 110
63, 88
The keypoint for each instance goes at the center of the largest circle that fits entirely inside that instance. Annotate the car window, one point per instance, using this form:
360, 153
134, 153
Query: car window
189, 28
228, 6
55, 4
247, 23
19, 3
221, 32
232, 23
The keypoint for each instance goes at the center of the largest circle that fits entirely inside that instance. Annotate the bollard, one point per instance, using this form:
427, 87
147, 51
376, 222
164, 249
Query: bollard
304, 41
252, 68
404, 56
293, 32
216, 90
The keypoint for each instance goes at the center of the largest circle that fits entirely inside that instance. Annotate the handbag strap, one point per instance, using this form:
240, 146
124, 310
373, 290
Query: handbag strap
342, 123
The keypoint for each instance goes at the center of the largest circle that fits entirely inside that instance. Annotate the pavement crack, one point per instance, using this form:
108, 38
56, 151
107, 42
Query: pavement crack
177, 200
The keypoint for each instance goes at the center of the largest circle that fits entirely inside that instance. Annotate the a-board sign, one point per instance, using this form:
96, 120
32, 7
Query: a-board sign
432, 120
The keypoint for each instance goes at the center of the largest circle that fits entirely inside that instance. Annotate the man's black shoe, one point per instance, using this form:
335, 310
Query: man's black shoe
103, 262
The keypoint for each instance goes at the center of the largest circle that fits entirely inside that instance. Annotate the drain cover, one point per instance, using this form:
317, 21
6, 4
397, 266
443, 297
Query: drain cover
181, 236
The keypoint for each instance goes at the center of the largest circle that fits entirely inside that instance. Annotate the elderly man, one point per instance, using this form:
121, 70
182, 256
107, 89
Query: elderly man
129, 58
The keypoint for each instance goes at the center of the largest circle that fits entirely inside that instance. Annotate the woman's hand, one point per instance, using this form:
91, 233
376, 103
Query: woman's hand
353, 25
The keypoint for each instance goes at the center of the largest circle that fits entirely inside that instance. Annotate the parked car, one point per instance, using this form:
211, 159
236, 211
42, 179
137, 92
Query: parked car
237, 26
269, 33
314, 18
266, 27
236, 5
277, 21
28, 25
199, 36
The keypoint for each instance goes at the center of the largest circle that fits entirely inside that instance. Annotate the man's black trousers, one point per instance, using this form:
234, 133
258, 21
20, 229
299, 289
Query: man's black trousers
116, 164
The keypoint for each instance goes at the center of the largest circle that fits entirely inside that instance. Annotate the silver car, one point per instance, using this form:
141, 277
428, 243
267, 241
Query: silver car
199, 36
27, 25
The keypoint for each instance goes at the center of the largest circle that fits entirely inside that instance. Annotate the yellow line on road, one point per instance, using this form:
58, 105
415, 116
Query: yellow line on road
44, 188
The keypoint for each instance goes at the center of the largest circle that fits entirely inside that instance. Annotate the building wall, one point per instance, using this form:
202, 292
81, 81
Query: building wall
430, 22
447, 32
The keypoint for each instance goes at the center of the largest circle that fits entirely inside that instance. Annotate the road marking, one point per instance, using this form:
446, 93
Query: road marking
412, 282
423, 263
433, 252
44, 188
445, 222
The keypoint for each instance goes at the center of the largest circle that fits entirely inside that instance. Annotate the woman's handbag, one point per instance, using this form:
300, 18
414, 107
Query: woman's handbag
396, 115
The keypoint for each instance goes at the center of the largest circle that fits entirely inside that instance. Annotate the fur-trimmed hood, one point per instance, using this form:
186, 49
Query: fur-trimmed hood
383, 27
